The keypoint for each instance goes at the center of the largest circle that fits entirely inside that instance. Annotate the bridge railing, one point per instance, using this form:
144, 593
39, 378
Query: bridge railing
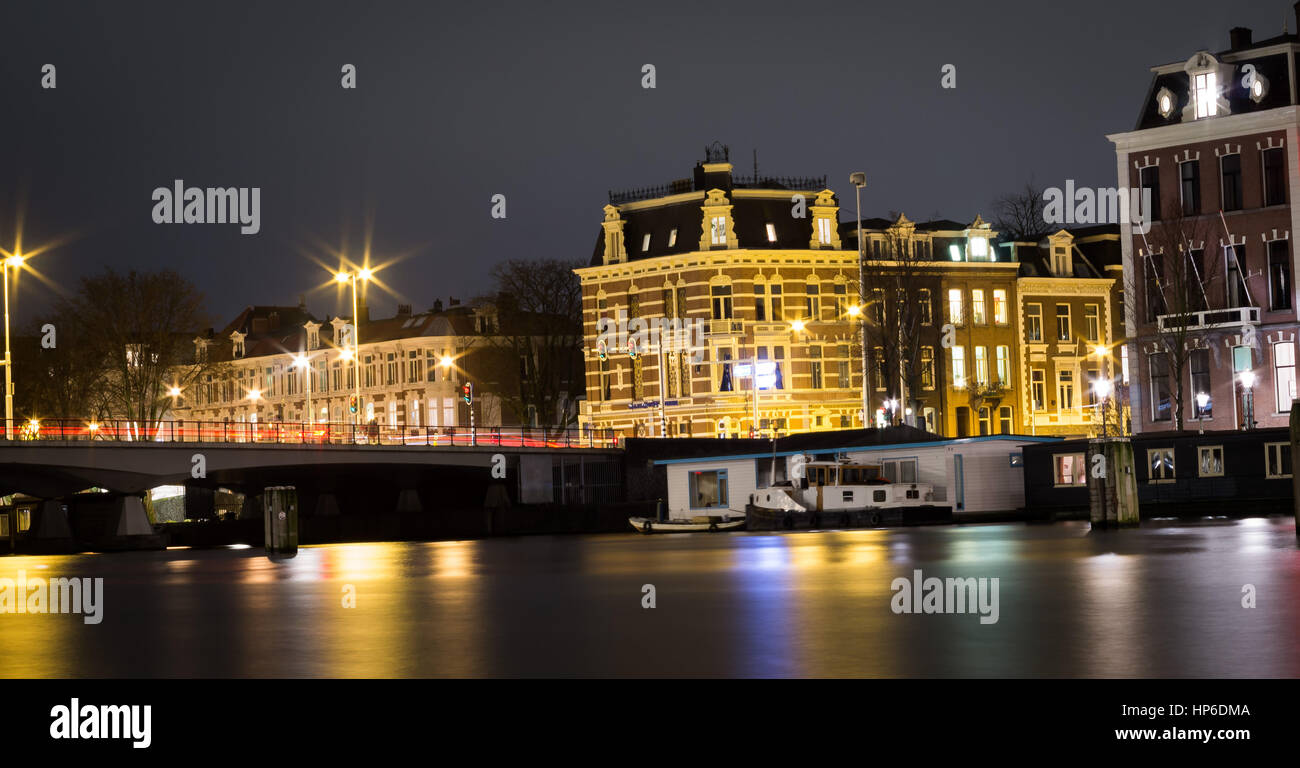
303, 433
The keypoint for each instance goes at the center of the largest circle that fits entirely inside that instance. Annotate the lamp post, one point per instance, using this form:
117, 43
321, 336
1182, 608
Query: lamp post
352, 277
1103, 387
1247, 379
15, 261
302, 362
859, 180
1202, 400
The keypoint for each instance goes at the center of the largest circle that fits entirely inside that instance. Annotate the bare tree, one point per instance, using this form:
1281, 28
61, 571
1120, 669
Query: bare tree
137, 330
1175, 279
893, 278
1019, 215
539, 306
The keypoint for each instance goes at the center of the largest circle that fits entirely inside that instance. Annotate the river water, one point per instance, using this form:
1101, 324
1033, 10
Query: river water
1162, 600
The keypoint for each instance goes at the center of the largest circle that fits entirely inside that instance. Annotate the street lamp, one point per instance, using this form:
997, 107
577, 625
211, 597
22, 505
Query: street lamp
301, 362
1247, 379
1103, 387
859, 180
352, 277
16, 262
1202, 400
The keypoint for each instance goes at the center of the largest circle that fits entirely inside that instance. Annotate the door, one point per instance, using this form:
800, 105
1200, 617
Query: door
959, 482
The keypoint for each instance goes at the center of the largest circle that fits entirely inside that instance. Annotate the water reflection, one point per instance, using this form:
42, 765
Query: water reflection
1165, 600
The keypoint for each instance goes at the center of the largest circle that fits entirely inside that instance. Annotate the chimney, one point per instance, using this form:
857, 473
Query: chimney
437, 305
1239, 38
452, 301
403, 310
302, 301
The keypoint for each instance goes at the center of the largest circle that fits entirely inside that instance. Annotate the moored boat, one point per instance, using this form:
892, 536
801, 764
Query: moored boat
843, 495
695, 524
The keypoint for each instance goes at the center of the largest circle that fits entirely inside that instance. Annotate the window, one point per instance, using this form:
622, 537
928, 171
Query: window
1274, 176
1230, 168
1065, 389
1160, 465
1284, 374
930, 418
981, 365
927, 367
824, 231
839, 294
1092, 322
958, 367
815, 355
771, 232
1161, 402
645, 242
924, 307
977, 307
878, 367
718, 230
1205, 93
760, 302
1038, 388
1004, 364
1004, 420
1000, 306
709, 489
774, 290
899, 470
1149, 179
1155, 295
1277, 460
1070, 469
954, 252
672, 237
1279, 275
1209, 461
954, 306
1063, 322
1189, 174
24, 519
986, 420
1199, 363
721, 295
724, 370
979, 249
1034, 322
814, 301
1062, 265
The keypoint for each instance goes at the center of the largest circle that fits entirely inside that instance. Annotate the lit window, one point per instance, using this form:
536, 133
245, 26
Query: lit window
1209, 461
1160, 465
645, 242
979, 248
718, 230
1004, 364
954, 306
1000, 306
672, 237
954, 251
981, 365
1277, 460
709, 489
977, 307
824, 231
1070, 469
1206, 93
1284, 374
771, 232
958, 367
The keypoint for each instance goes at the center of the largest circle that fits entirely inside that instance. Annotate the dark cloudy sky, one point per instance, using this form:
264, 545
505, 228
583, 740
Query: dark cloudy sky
541, 102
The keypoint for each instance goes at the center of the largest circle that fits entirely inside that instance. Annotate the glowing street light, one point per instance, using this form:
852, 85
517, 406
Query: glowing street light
174, 391
854, 310
1247, 379
1202, 400
13, 261
798, 326
352, 277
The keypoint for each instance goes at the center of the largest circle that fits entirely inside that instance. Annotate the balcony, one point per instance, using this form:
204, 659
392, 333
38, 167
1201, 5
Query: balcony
726, 327
1233, 317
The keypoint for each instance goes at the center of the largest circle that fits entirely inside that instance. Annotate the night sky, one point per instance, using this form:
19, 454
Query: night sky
541, 102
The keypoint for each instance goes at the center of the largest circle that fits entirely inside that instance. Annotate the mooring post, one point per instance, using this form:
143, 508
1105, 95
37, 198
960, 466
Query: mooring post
1112, 484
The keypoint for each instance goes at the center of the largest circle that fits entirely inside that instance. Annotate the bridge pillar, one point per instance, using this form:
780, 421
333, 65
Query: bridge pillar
132, 520
327, 505
52, 521
252, 508
408, 501
200, 502
1112, 483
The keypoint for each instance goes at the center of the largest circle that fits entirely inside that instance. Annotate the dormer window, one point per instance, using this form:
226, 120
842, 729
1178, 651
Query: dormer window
771, 232
237, 351
1205, 92
672, 237
824, 231
954, 252
718, 230
1061, 262
979, 248
645, 242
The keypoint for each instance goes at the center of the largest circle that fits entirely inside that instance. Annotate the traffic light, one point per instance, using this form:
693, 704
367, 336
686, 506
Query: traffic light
467, 392
352, 403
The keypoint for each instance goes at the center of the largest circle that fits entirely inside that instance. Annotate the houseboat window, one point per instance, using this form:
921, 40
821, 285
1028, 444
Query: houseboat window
25, 516
4, 526
1211, 460
848, 495
1069, 469
708, 489
1277, 458
1160, 462
878, 496
900, 470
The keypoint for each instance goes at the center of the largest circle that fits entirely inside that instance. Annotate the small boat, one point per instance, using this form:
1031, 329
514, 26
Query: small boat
695, 524
843, 494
